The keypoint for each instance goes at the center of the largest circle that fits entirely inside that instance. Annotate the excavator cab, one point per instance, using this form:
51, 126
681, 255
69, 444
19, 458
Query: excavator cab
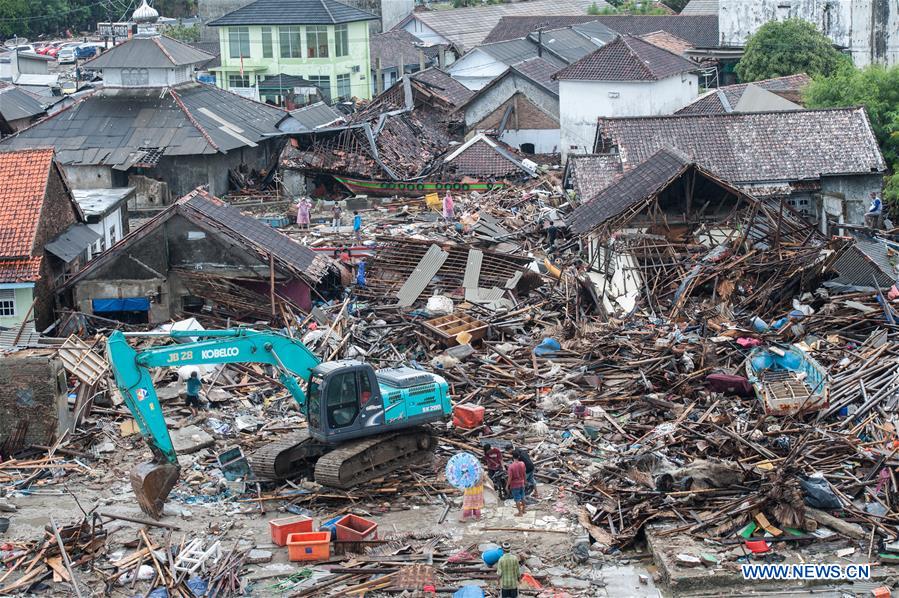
343, 401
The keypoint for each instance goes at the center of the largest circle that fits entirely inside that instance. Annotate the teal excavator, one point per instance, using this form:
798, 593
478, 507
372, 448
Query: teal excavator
362, 423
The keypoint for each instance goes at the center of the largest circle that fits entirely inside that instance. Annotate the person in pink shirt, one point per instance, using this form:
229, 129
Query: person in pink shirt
448, 207
303, 213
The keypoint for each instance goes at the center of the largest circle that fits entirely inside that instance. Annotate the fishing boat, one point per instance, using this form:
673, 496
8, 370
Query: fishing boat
787, 380
412, 188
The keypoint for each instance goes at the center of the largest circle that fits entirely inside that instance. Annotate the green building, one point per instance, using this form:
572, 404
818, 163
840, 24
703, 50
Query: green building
269, 44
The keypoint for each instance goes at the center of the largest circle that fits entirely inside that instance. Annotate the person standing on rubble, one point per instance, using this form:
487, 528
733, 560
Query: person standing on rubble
473, 501
449, 212
194, 384
509, 572
357, 226
336, 217
303, 216
516, 477
530, 484
874, 213
493, 463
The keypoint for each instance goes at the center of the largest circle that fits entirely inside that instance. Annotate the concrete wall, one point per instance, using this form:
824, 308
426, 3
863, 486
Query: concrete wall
868, 28
476, 69
213, 9
155, 77
545, 141
424, 33
497, 95
24, 295
394, 11
581, 103
33, 393
856, 192
89, 177
111, 228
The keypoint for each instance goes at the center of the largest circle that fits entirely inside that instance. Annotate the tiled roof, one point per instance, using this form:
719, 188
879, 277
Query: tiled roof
483, 157
149, 52
443, 85
396, 44
700, 30
515, 50
627, 59
701, 7
643, 181
293, 12
23, 183
589, 174
122, 127
789, 87
539, 71
667, 41
753, 147
20, 270
467, 27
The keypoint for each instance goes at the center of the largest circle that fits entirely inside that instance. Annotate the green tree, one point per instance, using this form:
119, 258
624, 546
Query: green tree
627, 7
789, 47
185, 33
877, 89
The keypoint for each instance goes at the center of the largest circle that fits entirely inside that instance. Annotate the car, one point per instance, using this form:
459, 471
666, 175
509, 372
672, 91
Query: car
85, 51
66, 55
68, 87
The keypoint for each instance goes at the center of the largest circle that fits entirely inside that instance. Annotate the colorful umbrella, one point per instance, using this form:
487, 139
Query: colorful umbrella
463, 470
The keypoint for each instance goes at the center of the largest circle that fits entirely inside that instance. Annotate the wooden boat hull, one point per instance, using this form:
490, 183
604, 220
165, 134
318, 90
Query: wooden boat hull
787, 380
412, 188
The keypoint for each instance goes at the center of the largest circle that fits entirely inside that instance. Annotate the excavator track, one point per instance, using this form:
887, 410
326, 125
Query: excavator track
362, 460
289, 457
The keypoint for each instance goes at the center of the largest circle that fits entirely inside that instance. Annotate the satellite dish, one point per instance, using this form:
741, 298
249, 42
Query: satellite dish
15, 41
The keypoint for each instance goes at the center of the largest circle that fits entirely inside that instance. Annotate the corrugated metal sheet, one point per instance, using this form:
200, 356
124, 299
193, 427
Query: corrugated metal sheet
863, 263
427, 267
483, 295
473, 268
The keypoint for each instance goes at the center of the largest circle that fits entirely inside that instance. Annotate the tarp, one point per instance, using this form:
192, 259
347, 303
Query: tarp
126, 304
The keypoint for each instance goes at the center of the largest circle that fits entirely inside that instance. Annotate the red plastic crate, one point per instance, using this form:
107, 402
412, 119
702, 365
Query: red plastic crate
468, 416
355, 528
309, 546
281, 528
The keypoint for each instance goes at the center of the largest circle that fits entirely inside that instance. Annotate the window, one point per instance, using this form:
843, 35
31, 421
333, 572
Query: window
239, 42
341, 40
112, 238
313, 405
291, 43
316, 41
527, 148
343, 403
343, 87
7, 302
323, 82
266, 42
134, 77
364, 387
238, 80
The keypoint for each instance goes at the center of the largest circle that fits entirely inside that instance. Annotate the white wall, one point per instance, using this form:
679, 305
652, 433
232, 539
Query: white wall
394, 11
424, 33
476, 69
110, 228
546, 141
112, 77
581, 103
869, 28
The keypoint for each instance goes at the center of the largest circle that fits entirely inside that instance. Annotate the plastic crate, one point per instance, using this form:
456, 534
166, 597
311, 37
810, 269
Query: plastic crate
282, 528
309, 546
468, 416
354, 528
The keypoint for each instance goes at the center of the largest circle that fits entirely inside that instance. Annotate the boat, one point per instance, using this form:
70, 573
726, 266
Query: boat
412, 188
787, 380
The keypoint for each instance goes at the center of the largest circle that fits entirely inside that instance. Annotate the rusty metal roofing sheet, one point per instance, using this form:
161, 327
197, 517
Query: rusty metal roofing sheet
427, 267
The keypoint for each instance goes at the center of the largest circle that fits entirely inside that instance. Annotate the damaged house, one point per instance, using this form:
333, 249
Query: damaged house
390, 146
199, 253
154, 128
675, 236
42, 236
823, 163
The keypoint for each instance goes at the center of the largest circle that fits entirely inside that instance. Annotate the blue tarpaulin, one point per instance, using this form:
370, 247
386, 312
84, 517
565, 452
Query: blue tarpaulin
127, 304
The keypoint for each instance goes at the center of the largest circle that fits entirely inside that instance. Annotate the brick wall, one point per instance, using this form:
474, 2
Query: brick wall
525, 116
32, 390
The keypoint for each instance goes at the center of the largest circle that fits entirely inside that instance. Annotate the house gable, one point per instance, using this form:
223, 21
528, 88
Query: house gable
522, 114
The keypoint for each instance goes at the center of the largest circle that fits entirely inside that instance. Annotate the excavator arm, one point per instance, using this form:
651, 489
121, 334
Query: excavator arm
152, 482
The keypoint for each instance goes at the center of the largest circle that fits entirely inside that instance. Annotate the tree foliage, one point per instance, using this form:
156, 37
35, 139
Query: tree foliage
626, 7
185, 33
789, 47
877, 89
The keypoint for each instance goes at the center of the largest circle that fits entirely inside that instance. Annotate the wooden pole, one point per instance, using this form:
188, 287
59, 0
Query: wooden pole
65, 557
379, 78
271, 278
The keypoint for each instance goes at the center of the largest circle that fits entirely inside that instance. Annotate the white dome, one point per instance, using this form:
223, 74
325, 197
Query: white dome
145, 14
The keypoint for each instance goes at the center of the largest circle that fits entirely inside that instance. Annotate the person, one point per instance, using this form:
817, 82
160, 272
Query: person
448, 207
360, 274
357, 226
509, 572
516, 476
303, 207
193, 392
345, 256
875, 211
473, 501
530, 481
551, 233
336, 215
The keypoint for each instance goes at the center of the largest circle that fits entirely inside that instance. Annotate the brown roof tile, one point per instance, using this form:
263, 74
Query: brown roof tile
789, 87
626, 59
20, 270
23, 181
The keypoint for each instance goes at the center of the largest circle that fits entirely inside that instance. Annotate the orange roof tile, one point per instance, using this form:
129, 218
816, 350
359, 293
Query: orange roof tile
23, 180
21, 270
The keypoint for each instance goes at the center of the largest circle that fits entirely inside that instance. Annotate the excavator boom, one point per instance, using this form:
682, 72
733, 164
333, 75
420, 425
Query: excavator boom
153, 481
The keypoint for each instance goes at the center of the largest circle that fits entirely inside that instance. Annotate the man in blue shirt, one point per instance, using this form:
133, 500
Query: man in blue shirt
875, 212
193, 392
357, 226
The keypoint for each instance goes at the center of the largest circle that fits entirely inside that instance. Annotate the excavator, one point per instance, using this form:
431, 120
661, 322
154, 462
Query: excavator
361, 423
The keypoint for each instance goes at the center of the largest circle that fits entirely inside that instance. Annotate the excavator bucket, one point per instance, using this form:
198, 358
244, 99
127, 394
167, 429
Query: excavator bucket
152, 483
